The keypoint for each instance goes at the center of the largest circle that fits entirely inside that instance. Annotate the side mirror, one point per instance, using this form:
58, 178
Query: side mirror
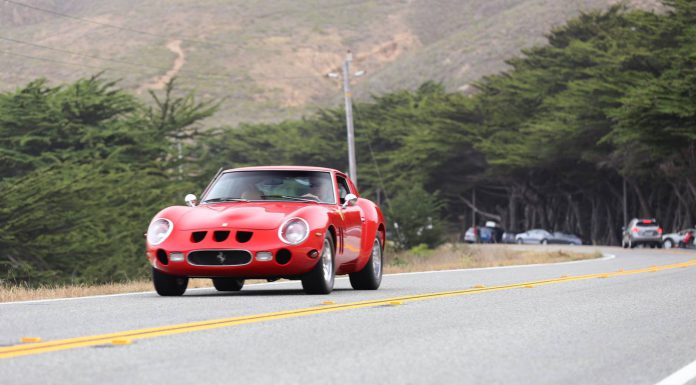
350, 200
191, 200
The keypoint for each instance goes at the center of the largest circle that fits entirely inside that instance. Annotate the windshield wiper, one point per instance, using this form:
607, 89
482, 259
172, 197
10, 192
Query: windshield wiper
215, 200
299, 199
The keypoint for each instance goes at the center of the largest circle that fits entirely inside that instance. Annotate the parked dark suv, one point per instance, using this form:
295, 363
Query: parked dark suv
642, 232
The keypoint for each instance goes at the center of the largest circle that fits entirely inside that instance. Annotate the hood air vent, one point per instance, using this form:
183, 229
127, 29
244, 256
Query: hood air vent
220, 236
198, 236
244, 236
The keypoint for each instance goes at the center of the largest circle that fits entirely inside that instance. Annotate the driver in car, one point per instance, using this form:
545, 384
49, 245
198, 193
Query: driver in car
319, 190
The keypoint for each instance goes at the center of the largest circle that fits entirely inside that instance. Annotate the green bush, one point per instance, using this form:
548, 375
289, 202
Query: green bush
414, 218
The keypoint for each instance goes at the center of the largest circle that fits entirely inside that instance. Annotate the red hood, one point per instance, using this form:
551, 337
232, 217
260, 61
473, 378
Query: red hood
237, 215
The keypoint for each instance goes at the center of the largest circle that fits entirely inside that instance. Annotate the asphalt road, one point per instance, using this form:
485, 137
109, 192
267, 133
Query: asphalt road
632, 327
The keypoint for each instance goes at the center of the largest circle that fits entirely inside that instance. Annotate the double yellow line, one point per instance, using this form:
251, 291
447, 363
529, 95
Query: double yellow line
126, 337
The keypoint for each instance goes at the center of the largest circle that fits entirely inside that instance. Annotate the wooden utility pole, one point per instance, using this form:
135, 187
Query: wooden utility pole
349, 119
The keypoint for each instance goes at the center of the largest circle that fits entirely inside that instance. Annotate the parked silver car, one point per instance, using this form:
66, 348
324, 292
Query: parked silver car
534, 236
540, 236
565, 239
642, 232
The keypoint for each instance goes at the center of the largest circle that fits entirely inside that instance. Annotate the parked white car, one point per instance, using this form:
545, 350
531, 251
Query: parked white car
674, 239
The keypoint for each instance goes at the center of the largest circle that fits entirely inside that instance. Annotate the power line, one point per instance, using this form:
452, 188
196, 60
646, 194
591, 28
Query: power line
55, 13
58, 61
198, 74
179, 37
101, 69
201, 75
329, 7
82, 65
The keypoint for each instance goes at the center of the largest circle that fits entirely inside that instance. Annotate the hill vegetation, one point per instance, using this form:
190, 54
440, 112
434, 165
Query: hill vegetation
549, 143
267, 60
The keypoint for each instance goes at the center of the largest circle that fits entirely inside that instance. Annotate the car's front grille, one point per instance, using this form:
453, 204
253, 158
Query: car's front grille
219, 257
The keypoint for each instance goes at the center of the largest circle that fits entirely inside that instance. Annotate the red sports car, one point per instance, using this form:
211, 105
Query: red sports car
306, 223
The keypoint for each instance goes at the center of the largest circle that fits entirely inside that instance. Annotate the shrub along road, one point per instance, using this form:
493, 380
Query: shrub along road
611, 320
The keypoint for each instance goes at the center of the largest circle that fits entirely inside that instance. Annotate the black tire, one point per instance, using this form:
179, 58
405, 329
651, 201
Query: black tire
320, 280
520, 241
370, 277
228, 284
658, 245
631, 245
668, 243
168, 285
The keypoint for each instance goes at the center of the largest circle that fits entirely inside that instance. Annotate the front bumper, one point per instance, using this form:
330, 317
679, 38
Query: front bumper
182, 241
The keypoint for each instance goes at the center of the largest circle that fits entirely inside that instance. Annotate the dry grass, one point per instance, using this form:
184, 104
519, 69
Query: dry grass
449, 256
25, 293
462, 256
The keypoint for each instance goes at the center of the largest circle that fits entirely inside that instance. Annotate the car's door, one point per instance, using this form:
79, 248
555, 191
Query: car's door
523, 237
353, 219
530, 237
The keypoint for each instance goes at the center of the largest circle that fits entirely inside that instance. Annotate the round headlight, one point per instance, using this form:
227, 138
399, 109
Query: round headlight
293, 231
159, 230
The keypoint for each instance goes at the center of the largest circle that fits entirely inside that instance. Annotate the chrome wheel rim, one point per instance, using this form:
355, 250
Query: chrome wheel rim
377, 259
327, 261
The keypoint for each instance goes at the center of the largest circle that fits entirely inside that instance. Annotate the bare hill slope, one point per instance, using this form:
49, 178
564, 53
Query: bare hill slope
269, 58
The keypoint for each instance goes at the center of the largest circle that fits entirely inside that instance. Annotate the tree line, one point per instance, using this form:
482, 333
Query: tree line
606, 107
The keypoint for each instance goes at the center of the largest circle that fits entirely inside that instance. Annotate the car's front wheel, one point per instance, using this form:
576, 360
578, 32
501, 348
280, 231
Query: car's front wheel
370, 277
228, 284
168, 285
320, 280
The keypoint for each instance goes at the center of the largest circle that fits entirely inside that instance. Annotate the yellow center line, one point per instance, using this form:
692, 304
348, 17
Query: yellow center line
129, 335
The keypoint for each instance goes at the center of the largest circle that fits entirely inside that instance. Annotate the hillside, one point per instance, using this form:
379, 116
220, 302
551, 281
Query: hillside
268, 59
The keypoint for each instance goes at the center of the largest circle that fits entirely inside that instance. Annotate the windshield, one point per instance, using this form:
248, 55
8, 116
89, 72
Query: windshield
273, 185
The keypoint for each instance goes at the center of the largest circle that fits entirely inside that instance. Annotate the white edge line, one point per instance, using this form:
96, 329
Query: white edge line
604, 258
681, 376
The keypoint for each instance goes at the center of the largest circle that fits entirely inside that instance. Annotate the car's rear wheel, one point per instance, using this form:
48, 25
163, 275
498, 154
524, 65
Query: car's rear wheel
370, 277
544, 242
668, 243
520, 241
228, 284
320, 280
168, 285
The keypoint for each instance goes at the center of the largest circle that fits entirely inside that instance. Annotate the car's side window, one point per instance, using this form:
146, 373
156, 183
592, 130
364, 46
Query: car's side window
343, 188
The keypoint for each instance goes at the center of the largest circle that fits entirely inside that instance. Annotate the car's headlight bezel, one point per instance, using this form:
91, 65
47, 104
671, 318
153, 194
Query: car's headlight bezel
166, 235
287, 223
